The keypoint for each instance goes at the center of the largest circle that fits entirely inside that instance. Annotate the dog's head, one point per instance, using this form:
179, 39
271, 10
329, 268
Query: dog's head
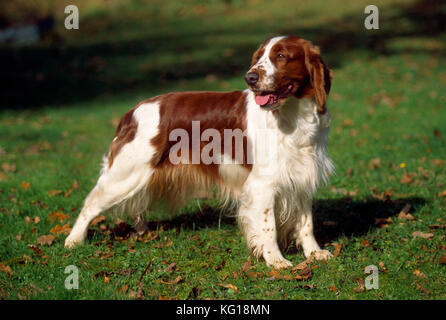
288, 66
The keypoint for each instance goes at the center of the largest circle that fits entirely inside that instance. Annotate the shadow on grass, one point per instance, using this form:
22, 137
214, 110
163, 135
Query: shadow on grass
333, 218
60, 74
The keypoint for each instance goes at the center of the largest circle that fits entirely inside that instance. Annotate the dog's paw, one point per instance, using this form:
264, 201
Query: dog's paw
71, 242
322, 254
277, 261
284, 264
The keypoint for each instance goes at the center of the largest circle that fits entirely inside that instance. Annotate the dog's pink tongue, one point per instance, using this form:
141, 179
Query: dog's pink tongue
262, 100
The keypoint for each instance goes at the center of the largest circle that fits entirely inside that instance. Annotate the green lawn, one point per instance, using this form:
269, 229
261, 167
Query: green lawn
387, 141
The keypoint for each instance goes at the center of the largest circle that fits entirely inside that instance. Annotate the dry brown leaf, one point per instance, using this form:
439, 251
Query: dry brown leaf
277, 275
175, 281
6, 269
123, 289
337, 250
419, 234
36, 250
333, 289
305, 273
57, 216
246, 266
228, 286
72, 188
97, 220
406, 216
34, 220
52, 193
25, 185
365, 243
407, 178
375, 163
442, 259
361, 286
418, 273
253, 275
7, 167
65, 229
170, 267
48, 240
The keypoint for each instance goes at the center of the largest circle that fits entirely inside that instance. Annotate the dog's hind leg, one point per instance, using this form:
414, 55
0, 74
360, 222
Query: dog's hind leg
113, 188
123, 181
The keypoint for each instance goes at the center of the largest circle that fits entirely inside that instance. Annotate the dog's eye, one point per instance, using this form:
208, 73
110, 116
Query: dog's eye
280, 56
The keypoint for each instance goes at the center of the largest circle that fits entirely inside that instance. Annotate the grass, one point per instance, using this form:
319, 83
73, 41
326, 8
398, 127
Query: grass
387, 142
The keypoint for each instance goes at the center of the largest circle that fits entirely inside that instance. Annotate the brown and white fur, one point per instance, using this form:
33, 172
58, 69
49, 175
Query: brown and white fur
288, 87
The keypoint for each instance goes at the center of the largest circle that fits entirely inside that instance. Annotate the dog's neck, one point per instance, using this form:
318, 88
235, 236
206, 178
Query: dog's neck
296, 110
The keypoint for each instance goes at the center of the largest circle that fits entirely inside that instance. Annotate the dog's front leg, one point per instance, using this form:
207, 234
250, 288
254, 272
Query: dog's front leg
305, 235
257, 220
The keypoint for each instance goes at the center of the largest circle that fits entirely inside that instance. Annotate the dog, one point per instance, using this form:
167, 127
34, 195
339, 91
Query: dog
270, 166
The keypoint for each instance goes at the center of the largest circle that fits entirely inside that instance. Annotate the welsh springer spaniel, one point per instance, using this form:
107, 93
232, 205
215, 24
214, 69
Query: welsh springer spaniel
268, 152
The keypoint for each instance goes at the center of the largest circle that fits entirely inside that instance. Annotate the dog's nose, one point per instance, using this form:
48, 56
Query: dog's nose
251, 78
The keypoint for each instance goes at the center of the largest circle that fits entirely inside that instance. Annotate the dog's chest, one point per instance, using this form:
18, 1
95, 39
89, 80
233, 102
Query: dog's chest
295, 144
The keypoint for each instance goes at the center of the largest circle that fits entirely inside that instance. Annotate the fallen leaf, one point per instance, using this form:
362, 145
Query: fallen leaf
305, 273
337, 250
72, 188
423, 235
360, 283
6, 269
333, 289
123, 289
52, 193
406, 216
6, 167
418, 273
170, 267
277, 275
365, 243
228, 286
97, 220
442, 259
425, 291
246, 266
25, 185
106, 279
177, 279
57, 216
36, 250
34, 220
407, 178
381, 221
253, 275
65, 229
48, 240
375, 163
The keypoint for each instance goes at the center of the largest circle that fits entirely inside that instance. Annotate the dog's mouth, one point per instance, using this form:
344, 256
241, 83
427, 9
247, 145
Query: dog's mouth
271, 98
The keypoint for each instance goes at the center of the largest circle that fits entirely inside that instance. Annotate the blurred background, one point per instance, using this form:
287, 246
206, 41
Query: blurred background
136, 46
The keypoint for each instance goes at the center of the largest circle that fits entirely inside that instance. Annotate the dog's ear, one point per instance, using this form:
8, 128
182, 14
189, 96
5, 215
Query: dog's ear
320, 75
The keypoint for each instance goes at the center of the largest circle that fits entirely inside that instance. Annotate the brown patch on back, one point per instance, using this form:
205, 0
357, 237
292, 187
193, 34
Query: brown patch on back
214, 110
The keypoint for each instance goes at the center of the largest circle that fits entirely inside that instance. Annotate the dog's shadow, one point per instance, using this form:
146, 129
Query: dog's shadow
333, 218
